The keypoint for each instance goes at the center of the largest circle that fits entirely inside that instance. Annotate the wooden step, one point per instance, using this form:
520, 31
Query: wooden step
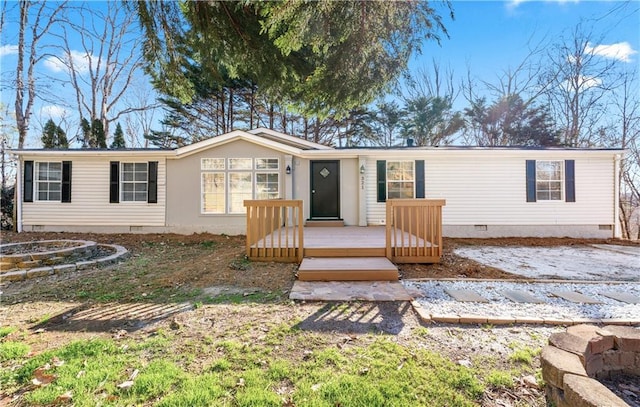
321, 223
347, 269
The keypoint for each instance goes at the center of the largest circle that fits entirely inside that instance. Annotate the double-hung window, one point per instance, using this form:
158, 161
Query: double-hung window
133, 179
133, 182
46, 181
550, 180
400, 179
49, 181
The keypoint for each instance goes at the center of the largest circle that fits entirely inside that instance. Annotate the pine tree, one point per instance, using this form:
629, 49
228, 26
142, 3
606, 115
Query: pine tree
97, 134
118, 138
53, 136
85, 127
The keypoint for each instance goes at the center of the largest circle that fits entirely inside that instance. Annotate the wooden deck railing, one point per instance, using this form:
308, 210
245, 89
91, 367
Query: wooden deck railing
414, 230
274, 230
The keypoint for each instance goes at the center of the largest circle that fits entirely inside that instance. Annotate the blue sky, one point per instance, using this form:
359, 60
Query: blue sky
486, 37
490, 36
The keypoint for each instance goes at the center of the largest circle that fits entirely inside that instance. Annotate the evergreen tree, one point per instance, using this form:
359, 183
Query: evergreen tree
97, 134
118, 138
85, 128
53, 136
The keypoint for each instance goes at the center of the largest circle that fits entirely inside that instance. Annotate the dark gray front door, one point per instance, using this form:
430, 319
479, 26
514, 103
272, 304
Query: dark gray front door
325, 189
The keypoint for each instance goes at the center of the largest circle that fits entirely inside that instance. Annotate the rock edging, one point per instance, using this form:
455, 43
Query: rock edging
574, 359
119, 253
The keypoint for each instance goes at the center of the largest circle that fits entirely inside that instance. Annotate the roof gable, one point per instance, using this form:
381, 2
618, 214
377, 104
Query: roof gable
263, 137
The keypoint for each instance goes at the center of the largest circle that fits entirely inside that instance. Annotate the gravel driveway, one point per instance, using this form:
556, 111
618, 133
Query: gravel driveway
592, 262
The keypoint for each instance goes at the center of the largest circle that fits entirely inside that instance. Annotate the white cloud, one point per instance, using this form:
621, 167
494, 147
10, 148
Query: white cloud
53, 111
8, 50
585, 82
62, 63
621, 51
512, 4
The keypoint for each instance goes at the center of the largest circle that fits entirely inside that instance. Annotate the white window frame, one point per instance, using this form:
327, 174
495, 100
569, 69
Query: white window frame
255, 186
560, 181
236, 165
203, 193
134, 182
38, 181
388, 179
231, 194
267, 168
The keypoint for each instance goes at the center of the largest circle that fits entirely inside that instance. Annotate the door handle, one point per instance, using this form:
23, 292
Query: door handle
313, 191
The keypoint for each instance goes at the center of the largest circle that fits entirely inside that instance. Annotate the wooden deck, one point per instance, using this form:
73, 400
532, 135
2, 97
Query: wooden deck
348, 241
412, 234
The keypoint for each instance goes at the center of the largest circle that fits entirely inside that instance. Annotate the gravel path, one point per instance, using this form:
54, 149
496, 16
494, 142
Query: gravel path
435, 300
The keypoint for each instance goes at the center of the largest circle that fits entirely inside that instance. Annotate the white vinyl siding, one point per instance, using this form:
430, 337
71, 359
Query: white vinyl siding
489, 188
48, 182
90, 205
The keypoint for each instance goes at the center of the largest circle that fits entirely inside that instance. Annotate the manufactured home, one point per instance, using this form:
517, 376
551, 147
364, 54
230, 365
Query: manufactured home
203, 187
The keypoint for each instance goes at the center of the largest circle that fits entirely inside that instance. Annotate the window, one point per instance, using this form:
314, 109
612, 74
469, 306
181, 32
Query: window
267, 163
240, 188
267, 186
49, 181
134, 177
549, 180
210, 164
240, 163
224, 190
213, 196
400, 179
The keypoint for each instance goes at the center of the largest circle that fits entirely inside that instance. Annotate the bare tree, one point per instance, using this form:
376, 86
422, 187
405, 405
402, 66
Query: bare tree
36, 20
578, 81
107, 63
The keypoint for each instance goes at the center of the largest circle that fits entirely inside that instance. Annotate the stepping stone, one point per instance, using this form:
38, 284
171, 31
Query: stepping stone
622, 297
465, 295
521, 296
575, 297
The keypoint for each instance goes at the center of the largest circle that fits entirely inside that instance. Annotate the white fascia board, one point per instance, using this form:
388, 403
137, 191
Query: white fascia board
233, 136
92, 153
291, 139
467, 153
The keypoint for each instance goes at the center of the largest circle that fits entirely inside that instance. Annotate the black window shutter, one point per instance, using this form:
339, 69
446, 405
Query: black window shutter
152, 185
420, 179
531, 180
569, 181
114, 182
28, 181
381, 171
66, 181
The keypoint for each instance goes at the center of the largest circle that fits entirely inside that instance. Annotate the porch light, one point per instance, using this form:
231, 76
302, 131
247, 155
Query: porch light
362, 169
288, 169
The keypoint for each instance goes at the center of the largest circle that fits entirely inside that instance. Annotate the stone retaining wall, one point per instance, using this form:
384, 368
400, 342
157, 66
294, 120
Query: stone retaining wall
574, 359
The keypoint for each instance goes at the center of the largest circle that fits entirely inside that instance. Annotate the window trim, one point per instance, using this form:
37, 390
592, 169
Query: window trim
228, 170
567, 181
121, 183
413, 180
560, 181
37, 181
202, 193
